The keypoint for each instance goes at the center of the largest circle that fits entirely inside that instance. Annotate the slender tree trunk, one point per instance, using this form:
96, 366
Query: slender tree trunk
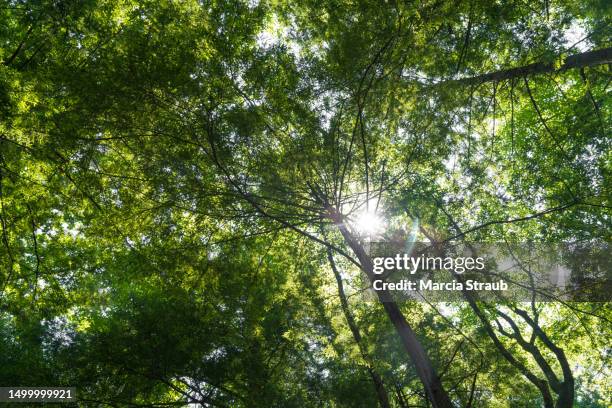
565, 389
379, 386
400, 397
585, 59
381, 391
541, 384
424, 369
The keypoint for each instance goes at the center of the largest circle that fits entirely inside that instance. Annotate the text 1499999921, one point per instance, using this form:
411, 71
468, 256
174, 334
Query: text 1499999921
37, 394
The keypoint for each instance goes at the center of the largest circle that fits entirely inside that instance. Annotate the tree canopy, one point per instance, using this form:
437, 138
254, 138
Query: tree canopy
186, 191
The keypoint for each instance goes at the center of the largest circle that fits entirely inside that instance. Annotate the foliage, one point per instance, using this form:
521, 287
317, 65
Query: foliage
170, 171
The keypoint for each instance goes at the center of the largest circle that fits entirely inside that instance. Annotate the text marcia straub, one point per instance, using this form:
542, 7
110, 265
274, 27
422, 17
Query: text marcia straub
425, 285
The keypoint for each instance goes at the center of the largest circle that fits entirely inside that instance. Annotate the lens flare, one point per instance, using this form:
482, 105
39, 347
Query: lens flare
369, 223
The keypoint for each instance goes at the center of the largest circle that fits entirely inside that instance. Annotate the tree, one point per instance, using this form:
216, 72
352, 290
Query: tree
177, 180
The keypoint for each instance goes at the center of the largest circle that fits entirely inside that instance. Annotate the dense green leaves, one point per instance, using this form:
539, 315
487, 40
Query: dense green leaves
170, 173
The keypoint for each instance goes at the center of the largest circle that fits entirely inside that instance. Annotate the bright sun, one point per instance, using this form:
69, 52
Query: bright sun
369, 223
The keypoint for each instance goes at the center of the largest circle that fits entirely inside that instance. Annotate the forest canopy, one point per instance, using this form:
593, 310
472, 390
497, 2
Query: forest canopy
188, 190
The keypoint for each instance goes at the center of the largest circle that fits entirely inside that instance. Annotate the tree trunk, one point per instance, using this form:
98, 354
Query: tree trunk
541, 384
379, 386
565, 390
424, 369
585, 59
400, 397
